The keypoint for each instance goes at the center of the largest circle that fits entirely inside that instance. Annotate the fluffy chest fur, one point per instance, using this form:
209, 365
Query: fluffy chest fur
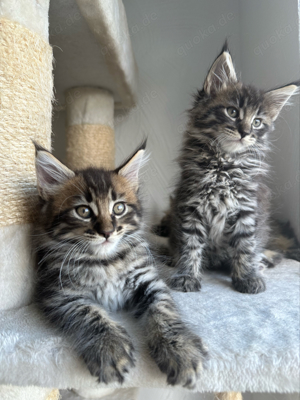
106, 281
219, 187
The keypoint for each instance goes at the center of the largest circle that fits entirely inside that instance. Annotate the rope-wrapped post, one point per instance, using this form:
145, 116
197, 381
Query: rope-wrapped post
90, 128
26, 88
25, 113
229, 396
8, 392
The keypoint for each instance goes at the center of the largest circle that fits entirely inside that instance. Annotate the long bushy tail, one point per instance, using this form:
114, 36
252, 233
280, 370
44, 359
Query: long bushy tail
164, 227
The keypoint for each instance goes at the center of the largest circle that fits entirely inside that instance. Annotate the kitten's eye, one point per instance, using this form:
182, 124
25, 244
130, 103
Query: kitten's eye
256, 122
119, 208
232, 112
84, 211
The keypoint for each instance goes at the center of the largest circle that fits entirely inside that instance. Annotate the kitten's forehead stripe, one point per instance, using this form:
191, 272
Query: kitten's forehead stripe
97, 180
248, 116
88, 196
94, 208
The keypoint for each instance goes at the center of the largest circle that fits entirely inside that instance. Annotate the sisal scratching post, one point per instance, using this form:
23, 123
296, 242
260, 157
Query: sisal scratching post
90, 133
53, 395
228, 396
27, 393
25, 113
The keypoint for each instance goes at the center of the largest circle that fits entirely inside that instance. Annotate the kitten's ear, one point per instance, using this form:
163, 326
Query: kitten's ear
50, 172
277, 98
221, 73
130, 169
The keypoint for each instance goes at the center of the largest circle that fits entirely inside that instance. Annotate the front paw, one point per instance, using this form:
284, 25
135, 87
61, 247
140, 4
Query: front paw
185, 283
180, 357
252, 284
111, 358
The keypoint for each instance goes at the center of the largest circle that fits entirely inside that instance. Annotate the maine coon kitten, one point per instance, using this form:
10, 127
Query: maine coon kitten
220, 207
93, 259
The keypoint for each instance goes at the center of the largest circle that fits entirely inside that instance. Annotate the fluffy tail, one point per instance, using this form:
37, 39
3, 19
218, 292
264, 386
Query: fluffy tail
284, 240
164, 227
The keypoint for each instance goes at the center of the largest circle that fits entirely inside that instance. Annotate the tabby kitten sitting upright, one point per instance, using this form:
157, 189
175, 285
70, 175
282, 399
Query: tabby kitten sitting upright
220, 208
93, 259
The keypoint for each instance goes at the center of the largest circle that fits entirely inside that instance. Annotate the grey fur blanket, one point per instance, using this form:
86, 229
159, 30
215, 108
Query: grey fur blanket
253, 340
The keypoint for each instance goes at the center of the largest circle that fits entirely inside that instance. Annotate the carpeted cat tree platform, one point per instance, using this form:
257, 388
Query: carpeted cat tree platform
253, 340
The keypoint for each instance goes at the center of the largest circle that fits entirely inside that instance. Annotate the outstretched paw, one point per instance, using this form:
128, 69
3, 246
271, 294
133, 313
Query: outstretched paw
113, 357
252, 284
185, 283
181, 357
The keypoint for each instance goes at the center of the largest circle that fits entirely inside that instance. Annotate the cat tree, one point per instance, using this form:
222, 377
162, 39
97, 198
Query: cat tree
90, 128
253, 340
25, 114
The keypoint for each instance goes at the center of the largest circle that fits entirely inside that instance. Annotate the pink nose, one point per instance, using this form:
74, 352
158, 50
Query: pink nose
106, 234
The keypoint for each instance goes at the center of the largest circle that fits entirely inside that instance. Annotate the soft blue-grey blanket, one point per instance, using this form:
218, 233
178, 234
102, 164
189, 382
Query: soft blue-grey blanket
253, 340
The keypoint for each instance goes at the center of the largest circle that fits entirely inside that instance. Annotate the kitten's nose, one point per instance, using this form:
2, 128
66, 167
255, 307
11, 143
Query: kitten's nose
106, 234
104, 230
244, 129
243, 133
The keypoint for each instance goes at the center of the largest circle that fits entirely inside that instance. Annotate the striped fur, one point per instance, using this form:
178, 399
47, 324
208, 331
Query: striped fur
90, 267
220, 210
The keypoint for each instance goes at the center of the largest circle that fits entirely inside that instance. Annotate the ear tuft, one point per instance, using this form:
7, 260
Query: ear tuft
51, 173
221, 73
225, 47
277, 98
130, 169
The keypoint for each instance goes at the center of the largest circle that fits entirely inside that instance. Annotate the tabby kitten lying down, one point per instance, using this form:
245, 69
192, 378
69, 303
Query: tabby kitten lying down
93, 259
220, 208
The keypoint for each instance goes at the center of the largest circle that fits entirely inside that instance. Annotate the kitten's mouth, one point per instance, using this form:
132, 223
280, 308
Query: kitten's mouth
240, 141
106, 242
234, 145
236, 140
104, 247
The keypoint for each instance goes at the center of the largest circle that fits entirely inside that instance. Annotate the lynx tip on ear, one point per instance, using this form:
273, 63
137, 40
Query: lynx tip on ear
225, 47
